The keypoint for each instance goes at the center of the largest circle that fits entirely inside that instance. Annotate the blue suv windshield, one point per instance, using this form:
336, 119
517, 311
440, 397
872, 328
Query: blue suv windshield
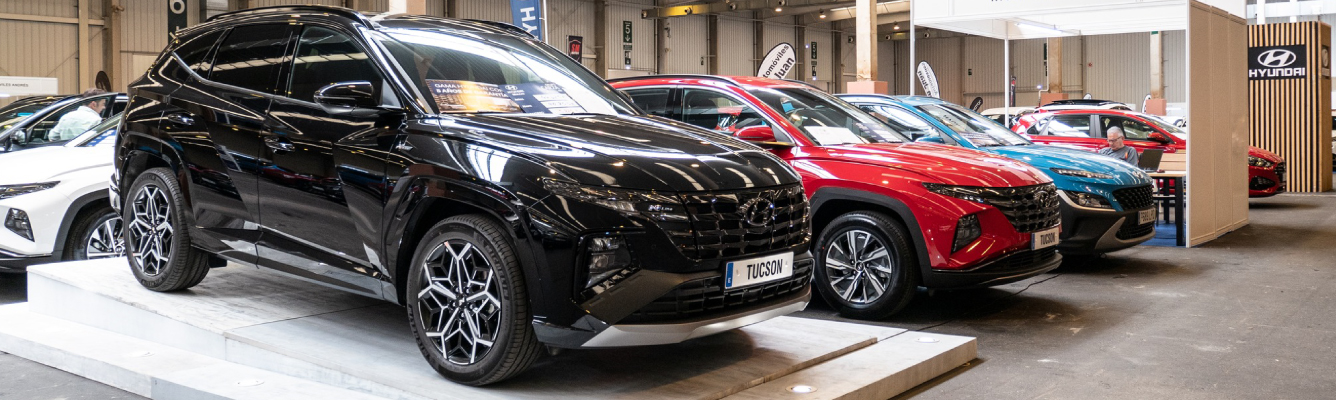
973, 127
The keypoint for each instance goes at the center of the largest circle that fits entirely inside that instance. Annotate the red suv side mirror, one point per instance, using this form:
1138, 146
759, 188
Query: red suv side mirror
1159, 138
761, 134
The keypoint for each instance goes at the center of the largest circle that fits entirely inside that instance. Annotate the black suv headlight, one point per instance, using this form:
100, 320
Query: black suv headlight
663, 207
605, 256
7, 191
1260, 162
1089, 200
970, 193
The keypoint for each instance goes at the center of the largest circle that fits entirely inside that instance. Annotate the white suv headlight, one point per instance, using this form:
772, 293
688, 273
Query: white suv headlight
7, 191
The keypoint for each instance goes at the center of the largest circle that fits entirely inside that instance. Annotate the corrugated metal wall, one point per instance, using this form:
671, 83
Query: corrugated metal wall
571, 18
736, 39
822, 63
686, 46
491, 10
776, 31
642, 38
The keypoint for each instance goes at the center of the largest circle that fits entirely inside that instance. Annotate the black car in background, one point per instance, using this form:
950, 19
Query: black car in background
25, 123
507, 196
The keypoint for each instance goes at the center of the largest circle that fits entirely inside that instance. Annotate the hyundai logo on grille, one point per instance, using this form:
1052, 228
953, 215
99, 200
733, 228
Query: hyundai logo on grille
1277, 62
758, 211
1277, 58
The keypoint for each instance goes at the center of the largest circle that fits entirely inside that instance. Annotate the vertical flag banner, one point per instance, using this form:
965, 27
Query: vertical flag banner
528, 15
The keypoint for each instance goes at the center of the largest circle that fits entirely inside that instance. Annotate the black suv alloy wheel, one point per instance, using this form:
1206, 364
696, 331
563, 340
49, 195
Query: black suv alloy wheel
508, 197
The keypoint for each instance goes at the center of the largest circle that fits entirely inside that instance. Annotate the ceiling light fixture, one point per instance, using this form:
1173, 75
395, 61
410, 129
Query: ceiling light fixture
822, 15
896, 27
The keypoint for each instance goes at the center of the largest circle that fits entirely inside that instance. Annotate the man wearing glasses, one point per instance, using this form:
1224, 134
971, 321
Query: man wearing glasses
1117, 149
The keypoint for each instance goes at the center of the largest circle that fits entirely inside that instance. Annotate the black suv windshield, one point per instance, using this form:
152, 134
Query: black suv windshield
825, 119
485, 73
973, 127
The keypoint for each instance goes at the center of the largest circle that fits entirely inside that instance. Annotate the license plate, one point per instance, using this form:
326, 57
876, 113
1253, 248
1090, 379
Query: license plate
758, 270
1045, 238
1145, 216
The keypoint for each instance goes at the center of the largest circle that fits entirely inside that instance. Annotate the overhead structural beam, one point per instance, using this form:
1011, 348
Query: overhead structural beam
1292, 9
698, 8
885, 8
42, 18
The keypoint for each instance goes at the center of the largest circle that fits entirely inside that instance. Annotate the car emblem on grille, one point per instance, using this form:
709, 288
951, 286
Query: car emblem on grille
758, 211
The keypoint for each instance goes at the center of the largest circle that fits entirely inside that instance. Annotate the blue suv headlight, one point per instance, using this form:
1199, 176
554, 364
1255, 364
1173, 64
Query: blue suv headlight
1080, 174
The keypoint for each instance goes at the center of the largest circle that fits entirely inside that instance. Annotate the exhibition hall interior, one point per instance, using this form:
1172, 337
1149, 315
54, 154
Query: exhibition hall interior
667, 199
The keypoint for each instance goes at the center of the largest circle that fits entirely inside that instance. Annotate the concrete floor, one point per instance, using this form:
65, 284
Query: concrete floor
1246, 316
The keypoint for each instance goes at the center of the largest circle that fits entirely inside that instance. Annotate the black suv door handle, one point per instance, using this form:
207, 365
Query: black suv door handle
280, 145
181, 119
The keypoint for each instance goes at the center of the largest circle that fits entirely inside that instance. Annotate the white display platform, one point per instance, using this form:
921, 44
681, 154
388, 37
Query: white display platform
250, 333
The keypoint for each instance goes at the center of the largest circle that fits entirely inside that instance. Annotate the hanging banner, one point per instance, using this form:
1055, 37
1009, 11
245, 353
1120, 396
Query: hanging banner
778, 62
528, 15
176, 15
928, 80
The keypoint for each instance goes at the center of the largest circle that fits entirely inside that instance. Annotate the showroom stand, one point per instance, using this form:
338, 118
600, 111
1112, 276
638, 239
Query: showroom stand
247, 333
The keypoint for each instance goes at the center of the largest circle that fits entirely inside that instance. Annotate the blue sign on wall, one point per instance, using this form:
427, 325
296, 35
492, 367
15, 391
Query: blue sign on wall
528, 15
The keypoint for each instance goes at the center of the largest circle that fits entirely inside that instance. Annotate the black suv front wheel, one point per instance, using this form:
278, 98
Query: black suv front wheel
467, 303
157, 234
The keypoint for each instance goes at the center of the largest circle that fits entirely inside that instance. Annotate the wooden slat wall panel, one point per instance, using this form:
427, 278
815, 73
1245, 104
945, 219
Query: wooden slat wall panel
1291, 117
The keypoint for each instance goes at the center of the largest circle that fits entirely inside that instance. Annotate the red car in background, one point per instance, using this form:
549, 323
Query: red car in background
1085, 130
889, 215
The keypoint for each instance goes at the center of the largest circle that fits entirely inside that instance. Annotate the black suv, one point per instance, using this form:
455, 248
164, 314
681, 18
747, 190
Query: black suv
504, 194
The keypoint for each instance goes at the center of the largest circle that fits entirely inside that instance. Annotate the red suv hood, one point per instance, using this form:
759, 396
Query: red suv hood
938, 163
1264, 154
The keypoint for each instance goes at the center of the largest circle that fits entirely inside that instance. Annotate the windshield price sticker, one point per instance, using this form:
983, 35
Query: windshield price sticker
469, 96
833, 135
543, 98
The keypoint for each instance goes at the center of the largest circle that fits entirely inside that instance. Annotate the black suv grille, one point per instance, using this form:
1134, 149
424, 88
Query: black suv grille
706, 296
1134, 198
1028, 208
1131, 231
731, 224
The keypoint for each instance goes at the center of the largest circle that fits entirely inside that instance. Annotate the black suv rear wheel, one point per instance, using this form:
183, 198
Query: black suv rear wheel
865, 268
467, 303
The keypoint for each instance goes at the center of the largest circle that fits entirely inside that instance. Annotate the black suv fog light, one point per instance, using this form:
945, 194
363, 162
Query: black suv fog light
606, 256
17, 221
967, 230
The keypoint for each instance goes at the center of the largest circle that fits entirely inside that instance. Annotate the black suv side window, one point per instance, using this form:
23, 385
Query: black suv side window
250, 57
324, 57
196, 51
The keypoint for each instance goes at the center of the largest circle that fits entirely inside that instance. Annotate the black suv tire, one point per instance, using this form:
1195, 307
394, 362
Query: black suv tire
154, 199
474, 251
876, 230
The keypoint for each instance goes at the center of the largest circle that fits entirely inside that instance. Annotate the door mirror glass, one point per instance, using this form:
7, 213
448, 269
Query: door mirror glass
345, 97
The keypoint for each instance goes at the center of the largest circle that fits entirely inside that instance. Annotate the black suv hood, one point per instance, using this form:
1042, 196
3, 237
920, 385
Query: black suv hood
632, 152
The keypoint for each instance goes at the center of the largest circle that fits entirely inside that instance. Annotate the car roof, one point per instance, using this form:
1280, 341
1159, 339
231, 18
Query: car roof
690, 79
1082, 102
288, 13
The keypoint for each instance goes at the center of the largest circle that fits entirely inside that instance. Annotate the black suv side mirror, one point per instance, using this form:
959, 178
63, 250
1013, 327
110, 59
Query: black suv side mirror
347, 97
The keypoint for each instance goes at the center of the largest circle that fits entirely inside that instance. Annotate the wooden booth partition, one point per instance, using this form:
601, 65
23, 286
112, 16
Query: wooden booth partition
1217, 175
1289, 88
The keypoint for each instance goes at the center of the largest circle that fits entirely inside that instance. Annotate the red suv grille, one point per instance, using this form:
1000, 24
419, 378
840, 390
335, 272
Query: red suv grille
1028, 208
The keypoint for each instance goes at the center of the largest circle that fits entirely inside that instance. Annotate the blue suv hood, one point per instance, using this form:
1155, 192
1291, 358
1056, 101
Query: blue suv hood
1048, 157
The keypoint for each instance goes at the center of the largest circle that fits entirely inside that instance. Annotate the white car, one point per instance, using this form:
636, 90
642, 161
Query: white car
1000, 113
54, 202
1084, 104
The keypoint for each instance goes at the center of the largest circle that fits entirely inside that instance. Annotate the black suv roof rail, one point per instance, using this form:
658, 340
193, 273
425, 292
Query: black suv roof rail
691, 76
504, 26
347, 12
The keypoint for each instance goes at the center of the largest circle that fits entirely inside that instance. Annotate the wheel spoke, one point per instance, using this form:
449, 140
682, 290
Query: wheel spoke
876, 254
838, 264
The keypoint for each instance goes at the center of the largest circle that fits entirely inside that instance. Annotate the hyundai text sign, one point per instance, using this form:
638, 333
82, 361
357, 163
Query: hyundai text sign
1277, 62
528, 15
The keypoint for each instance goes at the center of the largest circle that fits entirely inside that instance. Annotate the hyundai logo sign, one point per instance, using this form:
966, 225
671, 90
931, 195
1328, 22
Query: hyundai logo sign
1277, 62
1277, 58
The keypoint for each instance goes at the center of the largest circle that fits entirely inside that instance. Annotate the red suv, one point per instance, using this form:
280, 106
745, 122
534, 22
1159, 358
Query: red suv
1085, 130
888, 215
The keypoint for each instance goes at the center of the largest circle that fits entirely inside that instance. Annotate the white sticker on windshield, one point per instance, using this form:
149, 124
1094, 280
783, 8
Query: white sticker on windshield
832, 135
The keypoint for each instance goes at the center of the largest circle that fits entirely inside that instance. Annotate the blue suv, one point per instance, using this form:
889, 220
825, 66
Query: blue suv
1106, 203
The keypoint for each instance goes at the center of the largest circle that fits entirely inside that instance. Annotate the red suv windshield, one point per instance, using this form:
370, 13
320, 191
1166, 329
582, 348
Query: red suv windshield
824, 119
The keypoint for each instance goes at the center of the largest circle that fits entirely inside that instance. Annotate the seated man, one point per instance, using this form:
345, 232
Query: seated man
1118, 150
76, 122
